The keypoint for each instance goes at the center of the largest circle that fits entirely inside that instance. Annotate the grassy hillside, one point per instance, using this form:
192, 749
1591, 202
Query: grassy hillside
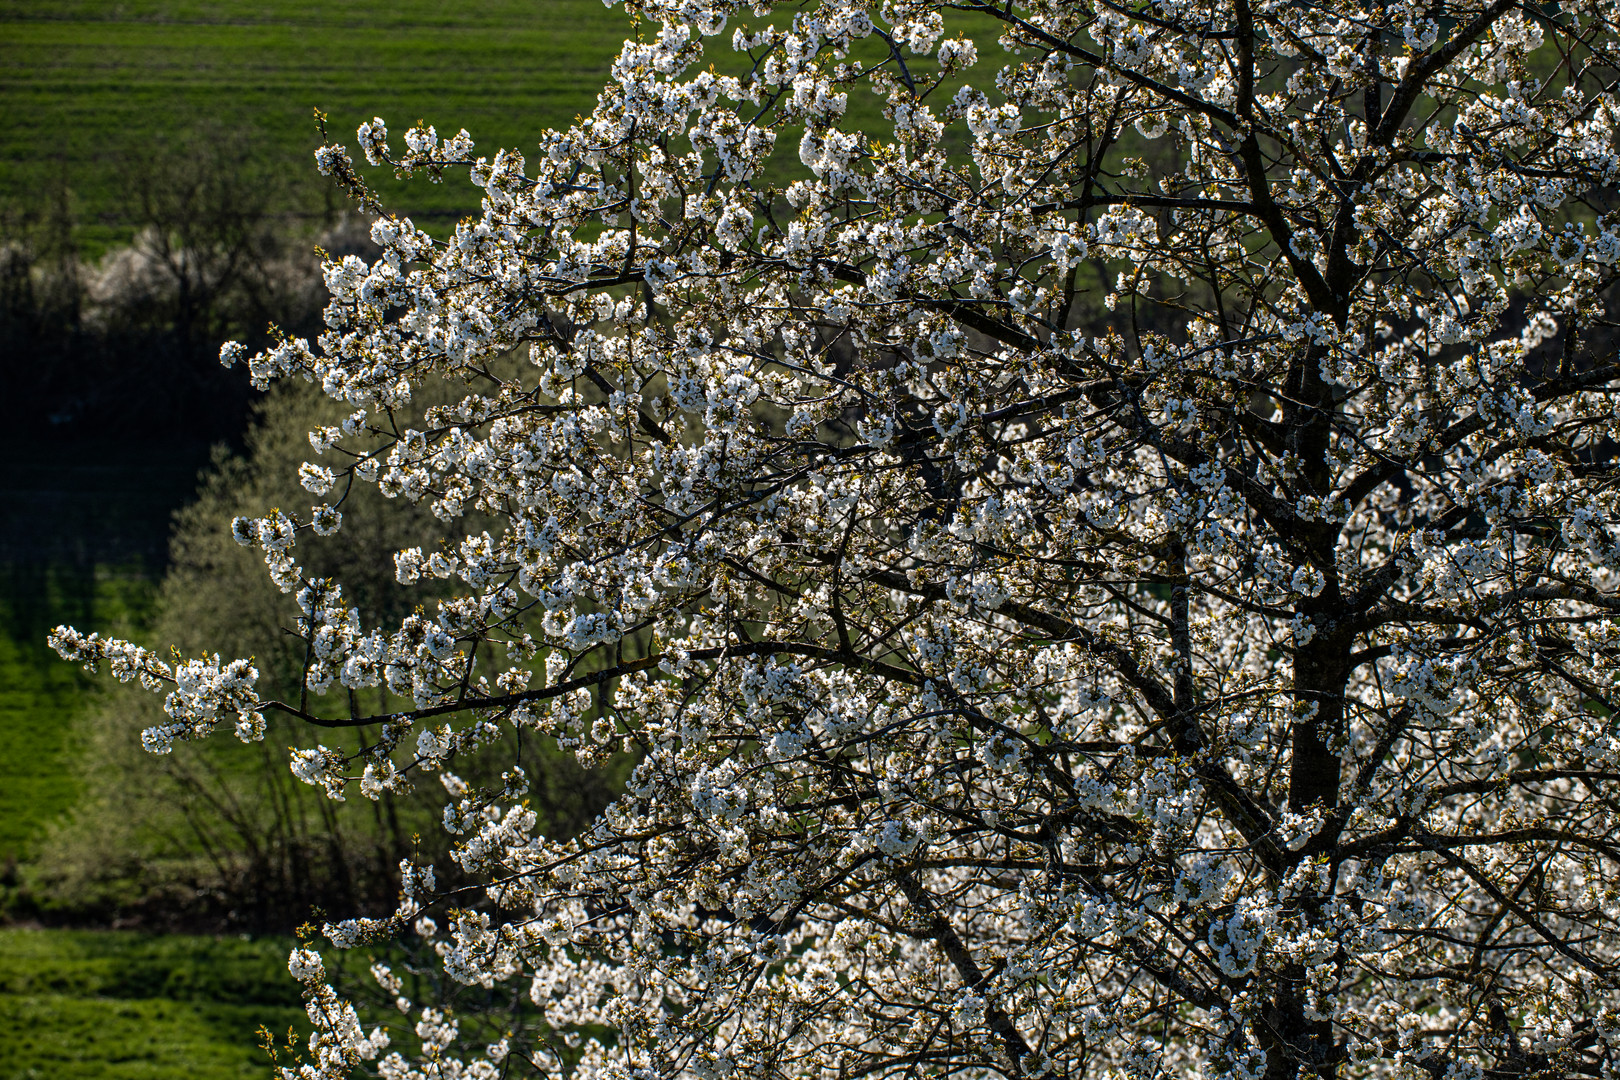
103, 1005
40, 695
87, 83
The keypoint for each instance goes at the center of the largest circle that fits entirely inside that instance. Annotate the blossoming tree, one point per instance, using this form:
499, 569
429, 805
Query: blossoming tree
1210, 672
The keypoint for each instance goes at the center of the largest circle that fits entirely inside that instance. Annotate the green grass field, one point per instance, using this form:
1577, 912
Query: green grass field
40, 696
84, 83
105, 1005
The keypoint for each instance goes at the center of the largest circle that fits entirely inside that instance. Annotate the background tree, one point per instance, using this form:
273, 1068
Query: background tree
1218, 684
216, 838
121, 344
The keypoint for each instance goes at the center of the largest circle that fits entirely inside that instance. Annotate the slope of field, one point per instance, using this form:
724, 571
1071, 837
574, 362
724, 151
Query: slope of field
102, 1005
41, 695
88, 84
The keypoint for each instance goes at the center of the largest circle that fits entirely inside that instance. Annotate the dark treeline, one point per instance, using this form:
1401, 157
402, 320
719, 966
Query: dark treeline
122, 345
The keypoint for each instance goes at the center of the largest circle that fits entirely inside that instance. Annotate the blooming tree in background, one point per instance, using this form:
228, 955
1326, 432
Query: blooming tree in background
1211, 671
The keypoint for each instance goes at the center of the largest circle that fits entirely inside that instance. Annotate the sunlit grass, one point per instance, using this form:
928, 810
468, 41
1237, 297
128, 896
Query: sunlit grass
124, 1006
